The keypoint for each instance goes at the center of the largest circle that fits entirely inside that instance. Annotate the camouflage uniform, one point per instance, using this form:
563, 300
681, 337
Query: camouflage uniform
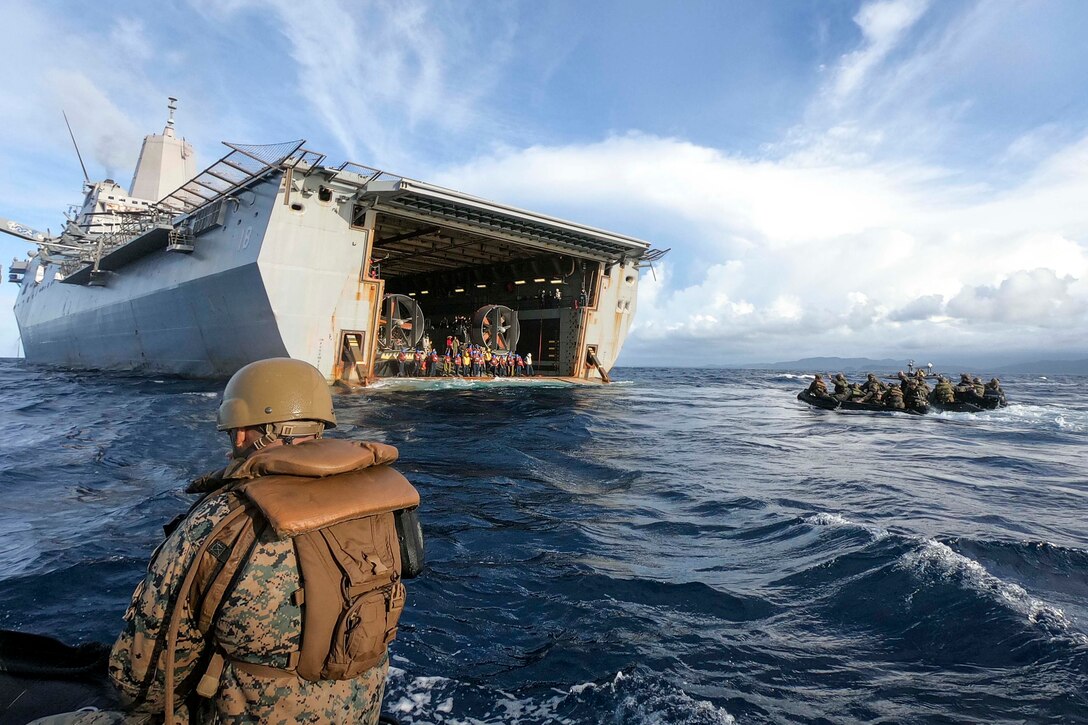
943, 392
920, 378
817, 387
873, 385
871, 391
917, 396
965, 388
842, 387
258, 622
978, 388
894, 398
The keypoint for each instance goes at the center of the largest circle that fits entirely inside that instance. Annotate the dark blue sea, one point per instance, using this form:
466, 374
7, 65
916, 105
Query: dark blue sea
682, 547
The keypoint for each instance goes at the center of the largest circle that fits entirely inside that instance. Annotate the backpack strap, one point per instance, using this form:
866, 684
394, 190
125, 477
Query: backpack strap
230, 551
175, 616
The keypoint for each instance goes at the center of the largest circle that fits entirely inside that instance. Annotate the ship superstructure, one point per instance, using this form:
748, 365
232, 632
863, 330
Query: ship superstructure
272, 252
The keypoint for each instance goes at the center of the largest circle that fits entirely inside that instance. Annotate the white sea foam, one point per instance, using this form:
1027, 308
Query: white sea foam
837, 520
937, 560
1074, 421
434, 699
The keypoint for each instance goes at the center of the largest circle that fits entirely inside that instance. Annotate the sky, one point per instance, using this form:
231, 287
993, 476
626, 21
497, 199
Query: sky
887, 178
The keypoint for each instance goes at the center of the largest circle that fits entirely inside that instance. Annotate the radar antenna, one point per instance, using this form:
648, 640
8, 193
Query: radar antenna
86, 176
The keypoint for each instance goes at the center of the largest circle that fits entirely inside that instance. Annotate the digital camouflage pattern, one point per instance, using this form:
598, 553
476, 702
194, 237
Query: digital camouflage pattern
258, 622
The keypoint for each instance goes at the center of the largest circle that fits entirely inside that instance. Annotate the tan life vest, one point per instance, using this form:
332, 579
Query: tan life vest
349, 562
345, 535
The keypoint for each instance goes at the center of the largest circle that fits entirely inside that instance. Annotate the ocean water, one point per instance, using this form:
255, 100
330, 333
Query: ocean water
681, 547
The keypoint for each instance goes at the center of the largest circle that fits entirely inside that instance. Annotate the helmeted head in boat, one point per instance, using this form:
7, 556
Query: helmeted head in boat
287, 397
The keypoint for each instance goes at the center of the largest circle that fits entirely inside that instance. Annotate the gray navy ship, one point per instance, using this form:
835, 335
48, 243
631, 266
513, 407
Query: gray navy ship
272, 252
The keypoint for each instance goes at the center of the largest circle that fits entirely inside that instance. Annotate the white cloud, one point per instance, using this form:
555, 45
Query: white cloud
1037, 297
788, 255
382, 74
882, 24
921, 308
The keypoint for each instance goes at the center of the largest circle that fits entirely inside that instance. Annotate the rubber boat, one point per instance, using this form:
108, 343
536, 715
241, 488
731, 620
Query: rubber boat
972, 404
42, 676
832, 403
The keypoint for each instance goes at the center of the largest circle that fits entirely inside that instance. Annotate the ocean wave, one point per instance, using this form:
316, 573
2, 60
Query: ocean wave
20, 549
934, 559
630, 697
839, 521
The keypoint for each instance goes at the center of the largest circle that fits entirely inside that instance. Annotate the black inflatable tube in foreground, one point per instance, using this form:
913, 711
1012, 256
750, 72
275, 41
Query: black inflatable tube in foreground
42, 676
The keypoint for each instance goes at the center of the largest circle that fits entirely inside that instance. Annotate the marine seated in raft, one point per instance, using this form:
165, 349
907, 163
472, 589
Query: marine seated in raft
943, 392
817, 387
893, 398
842, 387
965, 389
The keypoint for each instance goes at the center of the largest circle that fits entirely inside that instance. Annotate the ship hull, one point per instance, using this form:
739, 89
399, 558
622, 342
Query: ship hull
234, 299
204, 327
286, 270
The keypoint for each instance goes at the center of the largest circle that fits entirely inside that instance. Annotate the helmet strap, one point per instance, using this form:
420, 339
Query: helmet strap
271, 435
287, 432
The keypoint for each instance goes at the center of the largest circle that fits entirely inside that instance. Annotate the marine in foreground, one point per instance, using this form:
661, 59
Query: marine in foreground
275, 597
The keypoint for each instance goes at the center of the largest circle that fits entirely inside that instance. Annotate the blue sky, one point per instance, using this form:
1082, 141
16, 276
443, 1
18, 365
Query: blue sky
898, 178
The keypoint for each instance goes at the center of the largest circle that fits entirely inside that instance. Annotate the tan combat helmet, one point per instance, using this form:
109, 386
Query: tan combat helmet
288, 397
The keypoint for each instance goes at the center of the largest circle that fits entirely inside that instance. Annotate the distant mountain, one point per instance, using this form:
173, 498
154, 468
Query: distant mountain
831, 364
1047, 367
864, 364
